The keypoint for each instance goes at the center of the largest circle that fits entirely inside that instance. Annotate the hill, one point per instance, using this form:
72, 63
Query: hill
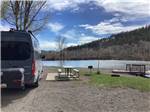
131, 45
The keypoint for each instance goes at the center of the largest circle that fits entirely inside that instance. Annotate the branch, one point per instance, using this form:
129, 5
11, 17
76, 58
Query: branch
38, 29
21, 13
15, 11
35, 15
9, 21
28, 5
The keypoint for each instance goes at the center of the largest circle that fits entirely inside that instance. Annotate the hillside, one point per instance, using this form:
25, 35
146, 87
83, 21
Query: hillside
131, 45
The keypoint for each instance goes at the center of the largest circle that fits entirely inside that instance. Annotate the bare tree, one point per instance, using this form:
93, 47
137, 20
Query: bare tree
24, 14
61, 44
98, 58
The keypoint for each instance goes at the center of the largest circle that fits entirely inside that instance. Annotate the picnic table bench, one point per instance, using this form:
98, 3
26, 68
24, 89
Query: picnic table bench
76, 73
59, 72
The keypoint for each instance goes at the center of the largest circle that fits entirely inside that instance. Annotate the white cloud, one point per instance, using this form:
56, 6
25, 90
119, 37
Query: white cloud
55, 27
71, 44
52, 45
124, 11
70, 34
109, 5
86, 39
109, 27
58, 4
4, 27
130, 9
63, 4
47, 45
79, 37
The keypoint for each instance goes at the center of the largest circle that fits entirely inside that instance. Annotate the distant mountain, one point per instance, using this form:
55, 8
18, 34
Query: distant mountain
131, 45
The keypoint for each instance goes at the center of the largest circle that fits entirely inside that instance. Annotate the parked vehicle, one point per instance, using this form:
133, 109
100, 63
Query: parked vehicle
20, 50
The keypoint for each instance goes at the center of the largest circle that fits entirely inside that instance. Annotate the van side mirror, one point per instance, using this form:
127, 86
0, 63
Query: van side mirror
43, 56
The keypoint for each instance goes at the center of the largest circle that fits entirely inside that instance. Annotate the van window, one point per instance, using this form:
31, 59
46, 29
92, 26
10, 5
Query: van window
11, 50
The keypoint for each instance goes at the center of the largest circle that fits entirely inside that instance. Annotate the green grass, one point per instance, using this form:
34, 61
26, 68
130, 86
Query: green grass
104, 80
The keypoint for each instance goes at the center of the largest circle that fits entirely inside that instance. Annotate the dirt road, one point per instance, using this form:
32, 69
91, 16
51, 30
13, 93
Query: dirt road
74, 96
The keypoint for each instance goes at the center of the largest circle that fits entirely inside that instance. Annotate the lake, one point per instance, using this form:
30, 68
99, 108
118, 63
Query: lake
105, 64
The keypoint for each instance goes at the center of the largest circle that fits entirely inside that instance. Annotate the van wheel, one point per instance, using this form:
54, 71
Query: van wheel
36, 84
23, 88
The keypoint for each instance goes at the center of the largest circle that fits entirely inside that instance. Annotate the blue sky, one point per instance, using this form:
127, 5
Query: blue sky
82, 21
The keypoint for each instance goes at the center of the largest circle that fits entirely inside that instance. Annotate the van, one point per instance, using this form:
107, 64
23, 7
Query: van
20, 49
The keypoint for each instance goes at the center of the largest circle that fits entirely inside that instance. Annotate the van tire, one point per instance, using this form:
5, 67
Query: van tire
23, 88
36, 84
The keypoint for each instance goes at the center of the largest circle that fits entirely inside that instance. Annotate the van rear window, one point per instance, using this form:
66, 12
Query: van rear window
11, 50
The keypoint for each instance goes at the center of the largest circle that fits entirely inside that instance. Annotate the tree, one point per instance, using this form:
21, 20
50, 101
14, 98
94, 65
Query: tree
61, 44
98, 59
24, 15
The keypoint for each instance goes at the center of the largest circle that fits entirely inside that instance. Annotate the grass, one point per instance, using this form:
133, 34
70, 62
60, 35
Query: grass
104, 80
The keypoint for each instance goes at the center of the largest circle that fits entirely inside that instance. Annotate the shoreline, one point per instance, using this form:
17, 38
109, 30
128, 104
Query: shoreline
95, 60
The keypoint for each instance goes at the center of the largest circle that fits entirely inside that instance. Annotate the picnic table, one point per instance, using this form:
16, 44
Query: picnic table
68, 70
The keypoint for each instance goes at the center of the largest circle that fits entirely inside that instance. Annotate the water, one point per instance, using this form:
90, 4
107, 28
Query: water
105, 64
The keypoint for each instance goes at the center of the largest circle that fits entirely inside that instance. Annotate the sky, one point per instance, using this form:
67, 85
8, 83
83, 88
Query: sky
83, 21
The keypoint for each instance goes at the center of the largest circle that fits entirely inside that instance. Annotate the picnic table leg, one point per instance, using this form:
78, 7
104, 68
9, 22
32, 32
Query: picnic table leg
67, 72
70, 71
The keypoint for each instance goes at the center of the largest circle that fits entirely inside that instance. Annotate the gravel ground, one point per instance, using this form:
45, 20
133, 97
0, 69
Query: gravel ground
74, 96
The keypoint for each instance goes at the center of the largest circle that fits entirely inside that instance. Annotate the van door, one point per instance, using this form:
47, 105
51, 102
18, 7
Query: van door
17, 54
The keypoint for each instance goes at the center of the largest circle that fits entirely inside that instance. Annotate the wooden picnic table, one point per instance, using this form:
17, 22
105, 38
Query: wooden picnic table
68, 70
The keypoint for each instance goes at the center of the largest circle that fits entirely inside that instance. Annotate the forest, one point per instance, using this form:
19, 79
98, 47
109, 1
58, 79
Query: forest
131, 45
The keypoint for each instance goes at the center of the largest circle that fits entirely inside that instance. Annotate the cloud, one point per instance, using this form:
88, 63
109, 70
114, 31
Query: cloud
111, 26
71, 41
123, 11
71, 44
70, 34
130, 9
55, 27
86, 39
57, 4
4, 27
47, 45
52, 45
60, 5
109, 5
79, 37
